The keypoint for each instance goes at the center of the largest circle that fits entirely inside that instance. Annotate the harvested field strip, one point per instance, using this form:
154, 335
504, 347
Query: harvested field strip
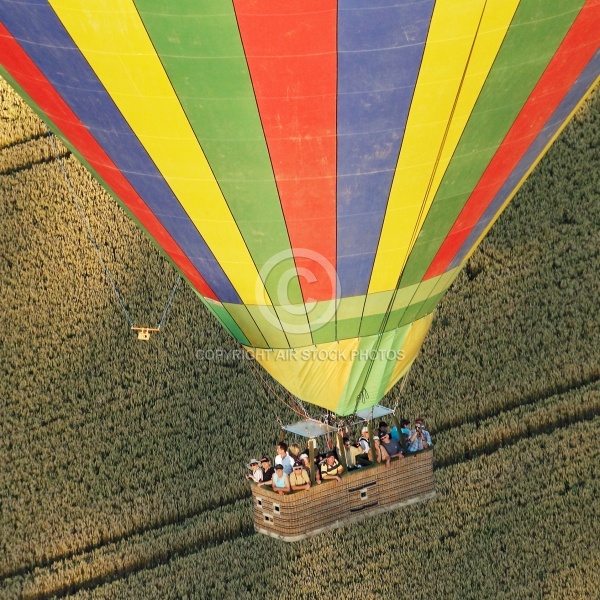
21, 141
135, 553
24, 155
158, 544
469, 503
485, 415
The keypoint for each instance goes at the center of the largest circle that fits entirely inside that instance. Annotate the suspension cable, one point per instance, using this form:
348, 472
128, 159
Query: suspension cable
143, 332
414, 235
264, 384
88, 230
169, 302
401, 389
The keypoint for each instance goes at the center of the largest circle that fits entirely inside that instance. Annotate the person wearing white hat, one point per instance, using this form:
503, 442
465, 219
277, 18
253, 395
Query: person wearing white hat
381, 454
257, 472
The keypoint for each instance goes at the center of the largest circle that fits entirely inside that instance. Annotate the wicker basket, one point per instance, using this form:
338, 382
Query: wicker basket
361, 493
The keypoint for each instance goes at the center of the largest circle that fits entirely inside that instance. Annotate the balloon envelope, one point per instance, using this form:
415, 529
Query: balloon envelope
319, 170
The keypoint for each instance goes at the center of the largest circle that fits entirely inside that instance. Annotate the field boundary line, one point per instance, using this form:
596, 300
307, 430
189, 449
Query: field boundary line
29, 165
532, 432
22, 141
180, 519
484, 415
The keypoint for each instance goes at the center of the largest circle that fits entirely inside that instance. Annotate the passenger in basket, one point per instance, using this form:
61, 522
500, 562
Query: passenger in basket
392, 447
381, 454
283, 458
363, 440
268, 471
420, 439
318, 457
294, 452
403, 435
331, 468
351, 452
305, 460
364, 458
257, 472
382, 428
299, 479
280, 481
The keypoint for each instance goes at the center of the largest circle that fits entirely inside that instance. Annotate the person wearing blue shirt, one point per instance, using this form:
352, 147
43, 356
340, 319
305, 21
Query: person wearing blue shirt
403, 434
280, 481
419, 439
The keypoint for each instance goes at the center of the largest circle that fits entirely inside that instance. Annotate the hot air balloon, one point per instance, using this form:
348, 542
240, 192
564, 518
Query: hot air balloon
319, 171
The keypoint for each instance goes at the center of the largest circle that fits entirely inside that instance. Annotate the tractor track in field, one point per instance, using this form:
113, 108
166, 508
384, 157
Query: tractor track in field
161, 558
14, 170
492, 447
484, 415
156, 561
26, 140
108, 541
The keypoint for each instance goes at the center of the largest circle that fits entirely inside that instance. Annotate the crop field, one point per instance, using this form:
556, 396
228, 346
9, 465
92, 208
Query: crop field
122, 462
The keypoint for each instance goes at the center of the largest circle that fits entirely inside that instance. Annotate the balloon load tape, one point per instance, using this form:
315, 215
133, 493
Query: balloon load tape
262, 229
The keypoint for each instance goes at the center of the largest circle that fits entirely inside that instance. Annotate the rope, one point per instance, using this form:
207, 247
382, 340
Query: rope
300, 406
414, 234
400, 390
88, 230
264, 384
169, 302
403, 384
96, 247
